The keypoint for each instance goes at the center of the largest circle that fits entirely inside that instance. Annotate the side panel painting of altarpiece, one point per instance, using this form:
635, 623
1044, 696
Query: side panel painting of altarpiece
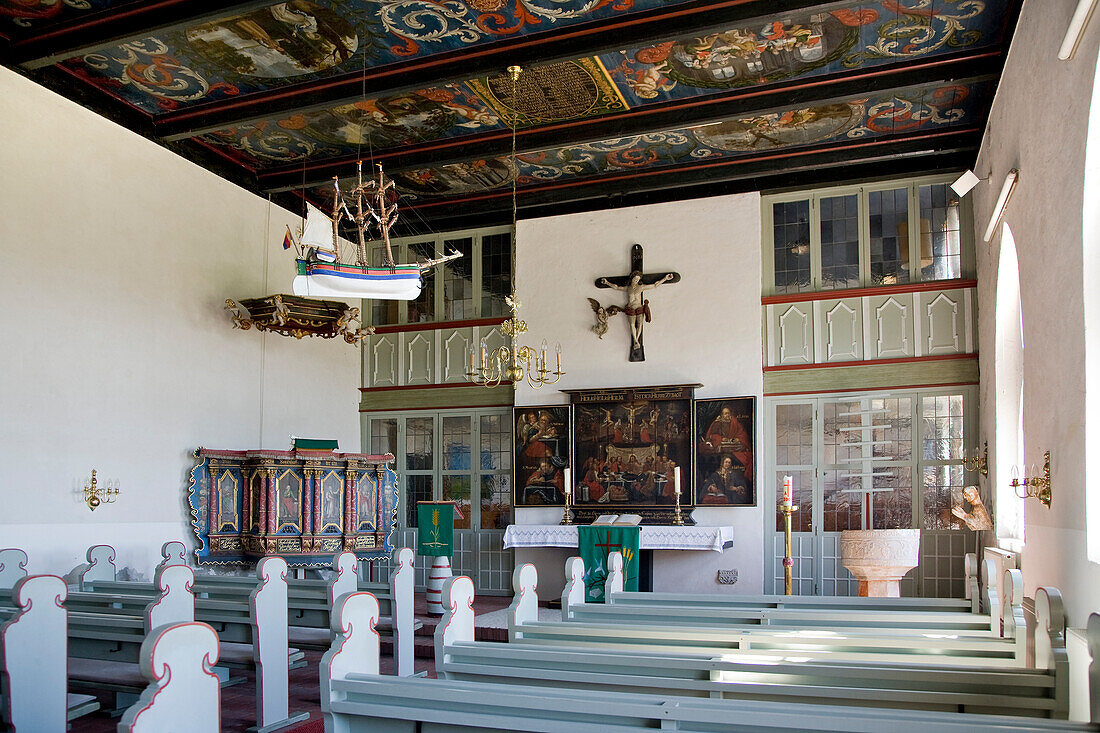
303, 505
725, 451
626, 444
542, 437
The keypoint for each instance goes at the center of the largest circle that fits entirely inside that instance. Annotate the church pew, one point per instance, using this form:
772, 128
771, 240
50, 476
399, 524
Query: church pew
251, 633
971, 603
820, 644
837, 642
802, 677
33, 688
841, 639
13, 567
817, 612
177, 661
309, 600
356, 699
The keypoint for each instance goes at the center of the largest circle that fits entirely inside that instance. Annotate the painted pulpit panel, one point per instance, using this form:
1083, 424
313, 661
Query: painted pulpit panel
290, 503
302, 504
229, 500
332, 503
366, 504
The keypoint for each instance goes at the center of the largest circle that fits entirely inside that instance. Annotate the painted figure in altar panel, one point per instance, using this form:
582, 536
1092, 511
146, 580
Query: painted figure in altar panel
724, 451
332, 503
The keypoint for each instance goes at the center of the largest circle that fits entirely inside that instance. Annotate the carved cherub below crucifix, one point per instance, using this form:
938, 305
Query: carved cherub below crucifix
636, 308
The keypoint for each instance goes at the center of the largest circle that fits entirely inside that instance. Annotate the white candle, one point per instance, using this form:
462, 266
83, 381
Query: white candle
568, 482
788, 493
676, 480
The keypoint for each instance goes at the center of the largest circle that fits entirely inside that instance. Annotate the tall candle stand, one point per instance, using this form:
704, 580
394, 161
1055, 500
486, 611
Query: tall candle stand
788, 562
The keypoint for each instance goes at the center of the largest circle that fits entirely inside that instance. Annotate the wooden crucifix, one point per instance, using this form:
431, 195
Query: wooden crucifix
637, 308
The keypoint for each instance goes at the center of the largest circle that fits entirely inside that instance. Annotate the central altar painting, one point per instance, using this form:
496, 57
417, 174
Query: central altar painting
627, 444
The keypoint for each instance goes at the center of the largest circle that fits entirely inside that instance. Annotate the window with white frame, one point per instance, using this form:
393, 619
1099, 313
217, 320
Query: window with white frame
435, 462
863, 236
470, 287
855, 460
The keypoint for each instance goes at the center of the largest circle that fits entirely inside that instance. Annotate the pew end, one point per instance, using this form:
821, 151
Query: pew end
178, 661
354, 650
525, 605
573, 594
457, 624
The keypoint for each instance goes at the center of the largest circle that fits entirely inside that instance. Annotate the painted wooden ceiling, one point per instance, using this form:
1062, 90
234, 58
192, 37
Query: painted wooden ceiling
621, 101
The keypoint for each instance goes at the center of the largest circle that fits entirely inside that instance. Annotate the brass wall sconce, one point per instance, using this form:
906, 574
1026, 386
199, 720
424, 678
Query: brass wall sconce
94, 494
979, 461
1034, 487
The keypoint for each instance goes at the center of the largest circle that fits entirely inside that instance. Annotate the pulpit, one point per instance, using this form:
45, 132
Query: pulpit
303, 505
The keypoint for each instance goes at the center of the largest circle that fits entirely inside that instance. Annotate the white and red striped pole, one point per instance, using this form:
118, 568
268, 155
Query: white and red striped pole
437, 575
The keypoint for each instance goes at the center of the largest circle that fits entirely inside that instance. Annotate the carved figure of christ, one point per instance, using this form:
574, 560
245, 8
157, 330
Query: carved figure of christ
637, 309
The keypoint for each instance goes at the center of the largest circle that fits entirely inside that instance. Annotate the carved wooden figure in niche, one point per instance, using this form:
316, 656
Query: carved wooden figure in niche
637, 309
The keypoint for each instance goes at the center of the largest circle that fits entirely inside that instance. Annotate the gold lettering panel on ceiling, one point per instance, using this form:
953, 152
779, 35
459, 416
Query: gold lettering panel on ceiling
567, 90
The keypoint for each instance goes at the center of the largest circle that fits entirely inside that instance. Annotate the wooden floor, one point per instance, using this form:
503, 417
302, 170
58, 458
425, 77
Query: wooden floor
239, 701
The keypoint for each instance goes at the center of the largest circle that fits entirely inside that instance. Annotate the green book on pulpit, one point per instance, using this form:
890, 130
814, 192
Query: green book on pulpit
596, 543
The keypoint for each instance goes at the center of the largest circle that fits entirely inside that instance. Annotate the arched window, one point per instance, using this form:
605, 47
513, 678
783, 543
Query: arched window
1009, 380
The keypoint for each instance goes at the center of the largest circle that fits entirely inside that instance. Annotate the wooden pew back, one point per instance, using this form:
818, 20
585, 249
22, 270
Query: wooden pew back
33, 656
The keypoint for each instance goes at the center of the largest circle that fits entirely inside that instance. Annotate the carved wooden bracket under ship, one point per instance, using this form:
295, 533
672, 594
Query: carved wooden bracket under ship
320, 269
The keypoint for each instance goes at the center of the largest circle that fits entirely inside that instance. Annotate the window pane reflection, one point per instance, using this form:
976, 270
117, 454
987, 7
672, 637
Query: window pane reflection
791, 231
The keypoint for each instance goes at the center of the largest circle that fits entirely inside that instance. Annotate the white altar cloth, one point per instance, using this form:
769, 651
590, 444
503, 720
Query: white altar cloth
652, 537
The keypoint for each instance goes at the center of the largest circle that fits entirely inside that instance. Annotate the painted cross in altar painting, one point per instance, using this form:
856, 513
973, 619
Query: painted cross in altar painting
637, 308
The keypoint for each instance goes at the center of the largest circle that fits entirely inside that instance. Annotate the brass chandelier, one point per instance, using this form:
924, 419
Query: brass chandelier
516, 363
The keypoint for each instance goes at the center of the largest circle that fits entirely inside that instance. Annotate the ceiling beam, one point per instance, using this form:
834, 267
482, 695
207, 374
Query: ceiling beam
694, 17
774, 169
961, 68
116, 26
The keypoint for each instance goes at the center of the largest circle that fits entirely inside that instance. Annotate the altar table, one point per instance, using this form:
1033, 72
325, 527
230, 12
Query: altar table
652, 537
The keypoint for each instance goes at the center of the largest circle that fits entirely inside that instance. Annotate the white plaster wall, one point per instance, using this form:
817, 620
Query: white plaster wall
1039, 123
706, 328
116, 351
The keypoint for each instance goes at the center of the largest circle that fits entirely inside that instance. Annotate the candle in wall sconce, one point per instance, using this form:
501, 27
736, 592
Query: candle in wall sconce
788, 492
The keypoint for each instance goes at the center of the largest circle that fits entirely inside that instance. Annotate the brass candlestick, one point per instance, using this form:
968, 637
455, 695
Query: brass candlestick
567, 515
678, 518
788, 561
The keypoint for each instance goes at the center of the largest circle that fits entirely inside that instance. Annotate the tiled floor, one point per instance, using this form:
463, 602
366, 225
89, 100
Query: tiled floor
239, 701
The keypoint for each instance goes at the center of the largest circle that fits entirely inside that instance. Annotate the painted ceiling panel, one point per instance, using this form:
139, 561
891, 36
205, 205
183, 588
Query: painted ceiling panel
913, 110
23, 17
857, 35
306, 40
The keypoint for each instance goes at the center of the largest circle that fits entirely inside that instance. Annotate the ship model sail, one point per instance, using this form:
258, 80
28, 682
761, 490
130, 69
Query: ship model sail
321, 271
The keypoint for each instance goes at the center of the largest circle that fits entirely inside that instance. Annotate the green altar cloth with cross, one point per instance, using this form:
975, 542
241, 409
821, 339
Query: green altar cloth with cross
595, 545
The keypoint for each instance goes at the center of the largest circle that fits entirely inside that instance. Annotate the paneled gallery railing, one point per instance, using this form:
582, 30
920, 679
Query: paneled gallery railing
901, 322
303, 505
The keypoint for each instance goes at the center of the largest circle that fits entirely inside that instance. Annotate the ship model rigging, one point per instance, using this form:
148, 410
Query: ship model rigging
321, 271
